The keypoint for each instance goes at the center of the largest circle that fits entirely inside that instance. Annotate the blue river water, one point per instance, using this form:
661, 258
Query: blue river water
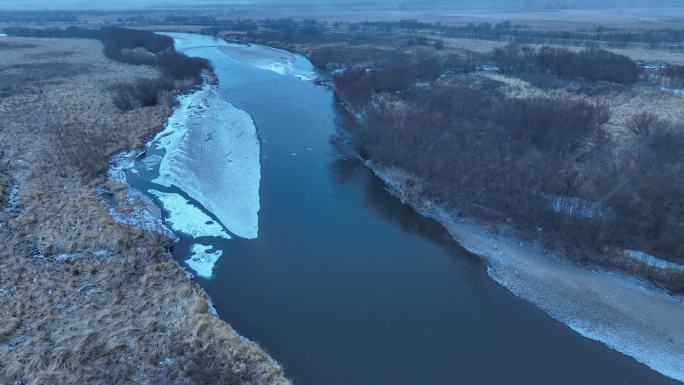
344, 284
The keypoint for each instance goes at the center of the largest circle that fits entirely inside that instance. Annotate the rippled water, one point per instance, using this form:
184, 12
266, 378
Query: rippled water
341, 283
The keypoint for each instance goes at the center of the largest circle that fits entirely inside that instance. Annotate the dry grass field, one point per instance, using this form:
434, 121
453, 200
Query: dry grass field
116, 308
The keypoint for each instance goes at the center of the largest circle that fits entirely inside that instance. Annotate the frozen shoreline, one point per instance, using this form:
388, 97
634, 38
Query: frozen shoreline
622, 312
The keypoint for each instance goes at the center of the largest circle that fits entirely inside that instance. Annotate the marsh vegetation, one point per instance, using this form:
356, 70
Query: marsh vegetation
86, 298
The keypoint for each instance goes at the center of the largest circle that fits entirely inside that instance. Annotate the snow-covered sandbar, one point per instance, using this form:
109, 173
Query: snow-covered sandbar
212, 154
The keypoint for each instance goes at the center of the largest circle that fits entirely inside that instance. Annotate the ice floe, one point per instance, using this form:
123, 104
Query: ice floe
266, 58
151, 161
184, 41
269, 59
212, 154
202, 260
185, 217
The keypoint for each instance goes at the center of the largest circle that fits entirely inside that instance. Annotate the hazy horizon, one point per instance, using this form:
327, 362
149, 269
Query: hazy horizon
34, 5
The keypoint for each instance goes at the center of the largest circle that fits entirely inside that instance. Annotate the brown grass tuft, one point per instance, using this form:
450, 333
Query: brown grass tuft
133, 317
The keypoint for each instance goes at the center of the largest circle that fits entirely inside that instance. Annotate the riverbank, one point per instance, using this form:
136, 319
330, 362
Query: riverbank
83, 297
628, 315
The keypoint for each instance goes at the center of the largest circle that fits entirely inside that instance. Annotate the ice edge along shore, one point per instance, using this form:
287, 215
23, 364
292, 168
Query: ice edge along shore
622, 312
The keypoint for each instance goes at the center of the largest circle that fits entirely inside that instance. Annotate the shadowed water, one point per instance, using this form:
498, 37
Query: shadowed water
344, 284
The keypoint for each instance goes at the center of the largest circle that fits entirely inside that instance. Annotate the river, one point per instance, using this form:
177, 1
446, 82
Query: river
338, 280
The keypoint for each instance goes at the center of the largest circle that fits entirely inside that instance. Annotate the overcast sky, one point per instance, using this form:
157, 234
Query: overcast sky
465, 4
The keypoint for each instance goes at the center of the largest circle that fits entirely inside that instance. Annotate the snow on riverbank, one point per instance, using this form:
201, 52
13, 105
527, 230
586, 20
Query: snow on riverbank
622, 312
212, 154
143, 212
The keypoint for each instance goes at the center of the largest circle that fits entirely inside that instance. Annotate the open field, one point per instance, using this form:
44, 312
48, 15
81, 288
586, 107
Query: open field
665, 15
83, 298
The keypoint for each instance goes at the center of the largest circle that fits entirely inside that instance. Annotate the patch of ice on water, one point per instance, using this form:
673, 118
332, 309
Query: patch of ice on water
184, 41
212, 154
64, 256
269, 59
120, 163
285, 67
202, 261
151, 161
185, 217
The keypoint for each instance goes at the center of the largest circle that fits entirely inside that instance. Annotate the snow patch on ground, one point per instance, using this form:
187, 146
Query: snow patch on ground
145, 215
653, 261
12, 199
675, 91
577, 207
212, 154
624, 313
202, 260
185, 217
64, 256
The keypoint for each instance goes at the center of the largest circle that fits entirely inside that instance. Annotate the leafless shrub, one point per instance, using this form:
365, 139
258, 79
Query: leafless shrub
644, 124
498, 156
143, 93
589, 64
76, 147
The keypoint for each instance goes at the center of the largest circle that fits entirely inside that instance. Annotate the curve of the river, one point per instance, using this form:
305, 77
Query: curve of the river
307, 254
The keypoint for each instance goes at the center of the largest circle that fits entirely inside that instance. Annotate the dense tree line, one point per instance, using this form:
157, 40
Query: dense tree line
674, 75
7, 16
129, 46
589, 64
489, 155
134, 47
611, 37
